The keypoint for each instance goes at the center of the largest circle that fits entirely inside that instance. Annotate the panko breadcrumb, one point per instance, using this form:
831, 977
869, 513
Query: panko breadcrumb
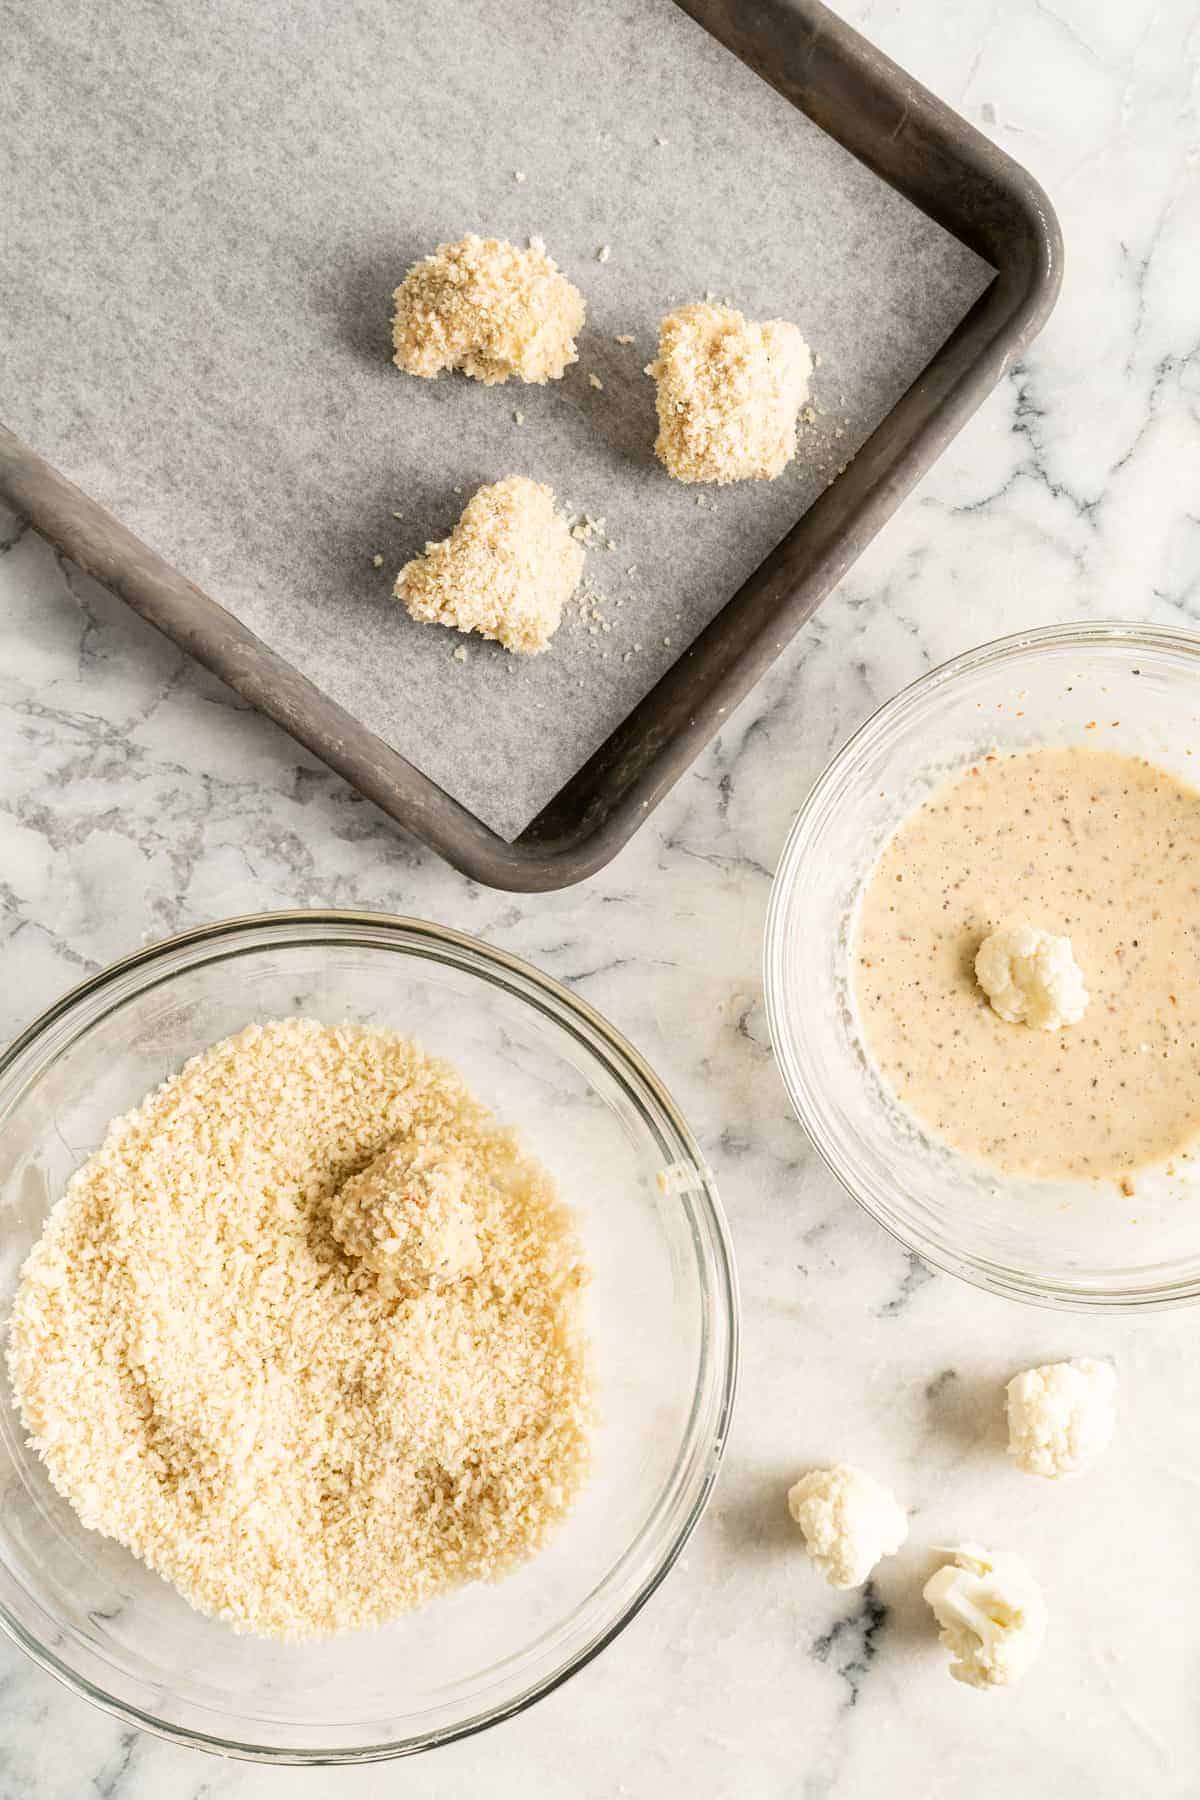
489, 309
506, 571
212, 1380
729, 392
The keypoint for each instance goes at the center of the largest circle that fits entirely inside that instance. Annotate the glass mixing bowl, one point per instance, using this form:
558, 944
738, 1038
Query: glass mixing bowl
662, 1313
1125, 687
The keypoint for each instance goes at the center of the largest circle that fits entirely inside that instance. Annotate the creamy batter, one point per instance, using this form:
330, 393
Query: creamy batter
1098, 847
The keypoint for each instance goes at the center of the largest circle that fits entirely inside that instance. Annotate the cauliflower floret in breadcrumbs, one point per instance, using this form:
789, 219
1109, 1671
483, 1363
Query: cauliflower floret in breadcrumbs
729, 391
1061, 1416
1031, 977
850, 1522
489, 309
506, 571
407, 1219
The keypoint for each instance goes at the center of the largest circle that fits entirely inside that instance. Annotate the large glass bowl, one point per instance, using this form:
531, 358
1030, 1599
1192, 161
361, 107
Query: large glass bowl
662, 1313
1125, 687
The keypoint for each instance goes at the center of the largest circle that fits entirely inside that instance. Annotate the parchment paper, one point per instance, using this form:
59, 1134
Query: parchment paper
206, 210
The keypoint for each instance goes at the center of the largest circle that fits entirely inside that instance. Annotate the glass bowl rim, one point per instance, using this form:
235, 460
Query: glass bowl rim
803, 1087
710, 1413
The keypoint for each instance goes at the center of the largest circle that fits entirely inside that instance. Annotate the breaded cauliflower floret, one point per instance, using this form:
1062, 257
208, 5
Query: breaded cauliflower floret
1061, 1416
850, 1522
406, 1218
992, 1615
729, 391
506, 571
489, 309
1031, 977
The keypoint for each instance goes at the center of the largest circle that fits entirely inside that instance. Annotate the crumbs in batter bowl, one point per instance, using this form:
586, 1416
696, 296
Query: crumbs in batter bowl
305, 1334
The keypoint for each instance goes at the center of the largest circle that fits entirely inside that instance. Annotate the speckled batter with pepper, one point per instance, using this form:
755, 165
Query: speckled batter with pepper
1096, 846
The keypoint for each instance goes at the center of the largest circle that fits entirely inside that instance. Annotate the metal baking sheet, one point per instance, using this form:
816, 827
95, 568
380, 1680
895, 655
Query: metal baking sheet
200, 252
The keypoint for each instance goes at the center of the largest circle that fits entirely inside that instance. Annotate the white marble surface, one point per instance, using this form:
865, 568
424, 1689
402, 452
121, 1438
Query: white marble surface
136, 797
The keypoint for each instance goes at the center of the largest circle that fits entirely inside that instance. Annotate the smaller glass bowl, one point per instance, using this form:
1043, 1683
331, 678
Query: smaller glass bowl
1085, 1246
661, 1314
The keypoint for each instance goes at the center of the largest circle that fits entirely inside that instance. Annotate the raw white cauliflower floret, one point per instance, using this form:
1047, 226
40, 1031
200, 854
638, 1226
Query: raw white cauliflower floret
849, 1520
1061, 1416
1031, 977
992, 1615
406, 1218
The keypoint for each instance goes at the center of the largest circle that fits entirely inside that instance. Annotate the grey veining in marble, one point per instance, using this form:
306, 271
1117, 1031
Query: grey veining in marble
136, 796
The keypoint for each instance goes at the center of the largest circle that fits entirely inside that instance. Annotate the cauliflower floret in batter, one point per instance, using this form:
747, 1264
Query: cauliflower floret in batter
992, 1615
506, 571
489, 309
1031, 977
729, 391
850, 1522
1061, 1416
407, 1219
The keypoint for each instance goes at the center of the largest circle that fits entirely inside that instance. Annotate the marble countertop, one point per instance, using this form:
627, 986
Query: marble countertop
137, 797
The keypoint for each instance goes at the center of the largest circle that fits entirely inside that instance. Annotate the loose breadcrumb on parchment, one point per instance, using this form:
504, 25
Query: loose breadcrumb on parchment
588, 530
506, 570
216, 1381
490, 309
729, 392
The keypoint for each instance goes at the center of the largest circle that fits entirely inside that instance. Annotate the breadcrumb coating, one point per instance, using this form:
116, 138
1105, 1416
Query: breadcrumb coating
489, 309
506, 571
211, 1380
729, 392
407, 1218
